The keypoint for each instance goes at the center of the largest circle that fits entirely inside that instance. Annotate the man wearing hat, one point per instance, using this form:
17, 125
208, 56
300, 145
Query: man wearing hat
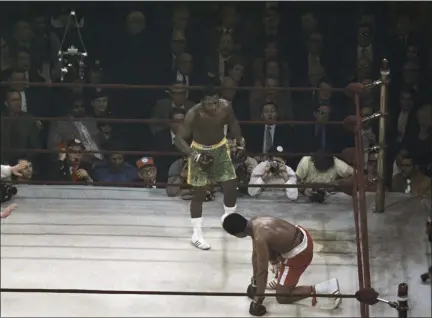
177, 99
147, 171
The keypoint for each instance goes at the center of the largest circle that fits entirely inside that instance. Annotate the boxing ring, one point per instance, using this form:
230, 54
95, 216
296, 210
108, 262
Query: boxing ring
120, 240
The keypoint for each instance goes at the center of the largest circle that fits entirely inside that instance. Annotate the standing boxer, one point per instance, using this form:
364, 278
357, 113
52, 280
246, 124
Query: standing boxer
209, 155
285, 246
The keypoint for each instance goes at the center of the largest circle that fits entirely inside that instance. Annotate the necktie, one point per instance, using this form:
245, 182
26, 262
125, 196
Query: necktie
268, 138
408, 186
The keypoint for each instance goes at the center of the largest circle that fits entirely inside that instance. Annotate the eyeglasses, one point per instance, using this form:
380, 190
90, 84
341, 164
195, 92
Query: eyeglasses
364, 33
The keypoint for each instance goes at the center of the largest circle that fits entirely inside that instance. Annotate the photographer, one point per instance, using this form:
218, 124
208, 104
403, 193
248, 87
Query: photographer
273, 171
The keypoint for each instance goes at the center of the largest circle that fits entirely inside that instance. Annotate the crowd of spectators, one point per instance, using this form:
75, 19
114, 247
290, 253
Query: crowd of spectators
263, 44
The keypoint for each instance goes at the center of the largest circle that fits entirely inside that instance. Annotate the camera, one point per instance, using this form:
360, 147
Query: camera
274, 166
7, 191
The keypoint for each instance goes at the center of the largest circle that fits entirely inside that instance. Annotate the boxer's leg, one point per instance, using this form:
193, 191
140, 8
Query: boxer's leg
223, 171
198, 179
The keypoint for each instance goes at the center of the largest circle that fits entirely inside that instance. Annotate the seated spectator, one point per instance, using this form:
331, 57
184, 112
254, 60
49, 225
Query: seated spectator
321, 167
114, 168
270, 95
164, 141
147, 171
273, 171
271, 26
418, 141
229, 25
185, 74
177, 175
99, 103
32, 98
364, 70
216, 65
274, 69
18, 134
411, 179
264, 137
85, 128
405, 116
162, 110
271, 53
71, 166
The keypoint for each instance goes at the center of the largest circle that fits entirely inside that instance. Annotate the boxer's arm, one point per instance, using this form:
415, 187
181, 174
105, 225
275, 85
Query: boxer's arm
184, 133
254, 263
262, 253
233, 125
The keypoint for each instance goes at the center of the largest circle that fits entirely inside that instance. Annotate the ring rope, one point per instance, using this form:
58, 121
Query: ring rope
168, 121
132, 86
159, 293
150, 153
164, 184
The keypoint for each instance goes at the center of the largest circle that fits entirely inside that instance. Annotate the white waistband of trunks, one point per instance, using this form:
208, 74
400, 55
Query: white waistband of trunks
299, 248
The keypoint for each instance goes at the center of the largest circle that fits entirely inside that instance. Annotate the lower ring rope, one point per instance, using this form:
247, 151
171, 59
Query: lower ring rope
159, 293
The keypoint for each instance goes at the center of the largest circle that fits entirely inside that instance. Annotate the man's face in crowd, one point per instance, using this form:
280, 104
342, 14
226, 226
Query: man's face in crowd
270, 84
308, 22
406, 101
237, 72
100, 104
180, 19
406, 167
364, 36
116, 161
269, 112
271, 50
178, 98
226, 45
325, 93
412, 53
211, 105
148, 174
272, 69
23, 61
185, 64
96, 76
18, 77
13, 101
135, 23
175, 126
271, 19
77, 109
75, 156
315, 43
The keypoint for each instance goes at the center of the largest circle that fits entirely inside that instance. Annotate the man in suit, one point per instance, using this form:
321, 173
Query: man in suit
177, 99
264, 137
164, 141
84, 129
184, 73
23, 134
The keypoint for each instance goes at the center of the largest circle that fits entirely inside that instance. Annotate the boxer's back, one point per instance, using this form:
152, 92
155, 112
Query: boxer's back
279, 234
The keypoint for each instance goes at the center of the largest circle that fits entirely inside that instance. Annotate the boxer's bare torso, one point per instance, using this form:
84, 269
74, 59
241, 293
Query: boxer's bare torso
206, 124
277, 235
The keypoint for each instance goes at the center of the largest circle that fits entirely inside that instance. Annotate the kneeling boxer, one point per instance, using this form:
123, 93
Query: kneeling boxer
278, 242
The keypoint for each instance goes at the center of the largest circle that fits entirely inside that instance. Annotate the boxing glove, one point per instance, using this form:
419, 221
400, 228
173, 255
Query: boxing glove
205, 160
257, 309
252, 289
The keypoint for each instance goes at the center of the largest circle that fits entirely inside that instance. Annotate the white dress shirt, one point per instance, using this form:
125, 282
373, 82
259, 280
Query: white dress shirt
23, 102
365, 51
258, 171
182, 78
307, 172
172, 137
265, 141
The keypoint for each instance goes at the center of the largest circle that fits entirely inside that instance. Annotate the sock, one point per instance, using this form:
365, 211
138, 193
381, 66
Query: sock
230, 210
196, 224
